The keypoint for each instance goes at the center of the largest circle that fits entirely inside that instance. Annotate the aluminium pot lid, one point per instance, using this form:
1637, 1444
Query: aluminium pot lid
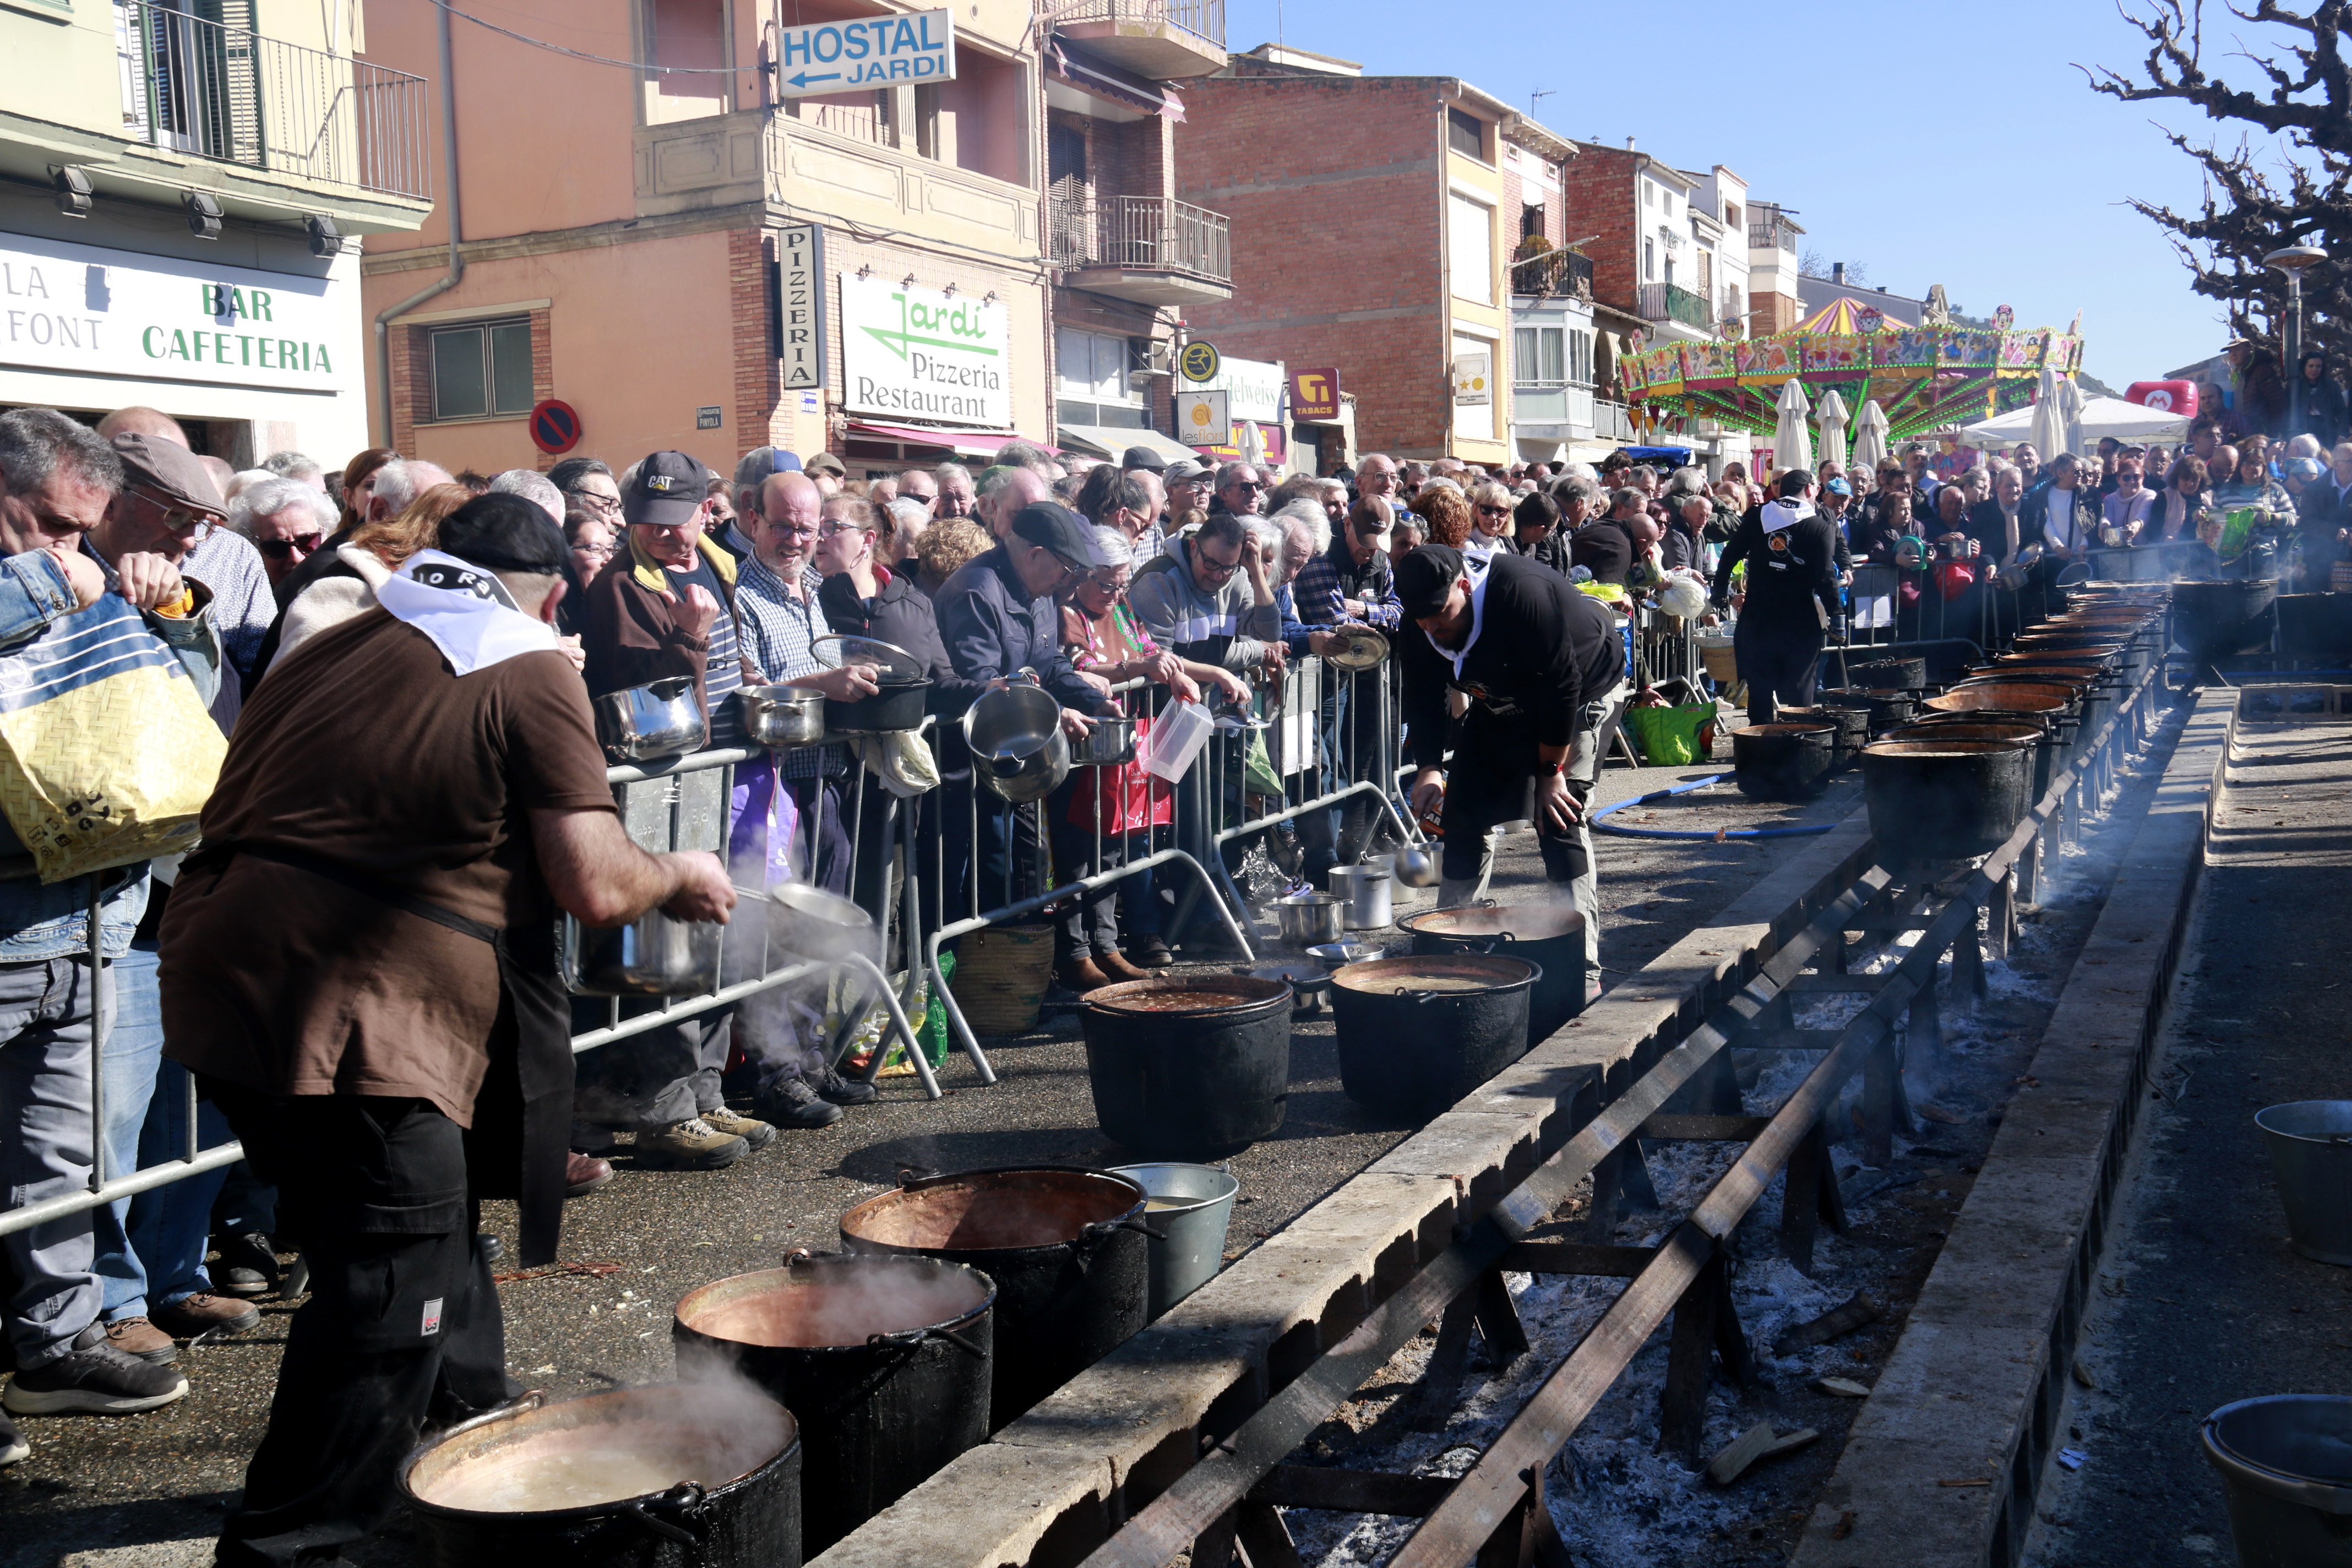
1361, 648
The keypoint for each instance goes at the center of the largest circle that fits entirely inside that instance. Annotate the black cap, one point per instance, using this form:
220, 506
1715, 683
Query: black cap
505, 534
1795, 481
1057, 528
1136, 457
1424, 578
668, 489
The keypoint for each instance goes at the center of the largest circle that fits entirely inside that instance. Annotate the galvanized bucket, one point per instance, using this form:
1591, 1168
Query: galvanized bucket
1190, 1207
2311, 1155
2286, 1470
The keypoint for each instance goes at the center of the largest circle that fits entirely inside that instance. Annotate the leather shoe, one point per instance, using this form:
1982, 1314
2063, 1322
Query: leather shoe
584, 1174
1117, 966
1151, 953
1080, 975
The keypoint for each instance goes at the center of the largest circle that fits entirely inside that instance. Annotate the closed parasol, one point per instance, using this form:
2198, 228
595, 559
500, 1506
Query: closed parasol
1870, 436
2048, 431
2070, 415
1792, 439
1830, 415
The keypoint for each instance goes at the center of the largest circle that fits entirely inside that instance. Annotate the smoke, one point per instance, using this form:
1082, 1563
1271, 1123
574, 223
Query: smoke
831, 1301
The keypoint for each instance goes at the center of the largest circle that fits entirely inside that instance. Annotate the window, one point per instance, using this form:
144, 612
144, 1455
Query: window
1470, 234
1648, 195
1467, 134
1649, 258
1531, 222
1731, 214
1538, 356
482, 370
1666, 198
1091, 371
1580, 357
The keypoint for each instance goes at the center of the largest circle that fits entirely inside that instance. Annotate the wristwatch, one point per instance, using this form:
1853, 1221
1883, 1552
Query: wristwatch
1550, 770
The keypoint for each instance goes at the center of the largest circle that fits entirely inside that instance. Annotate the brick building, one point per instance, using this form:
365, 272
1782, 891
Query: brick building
1372, 231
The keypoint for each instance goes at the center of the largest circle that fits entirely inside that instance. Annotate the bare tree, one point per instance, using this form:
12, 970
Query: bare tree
2297, 123
1812, 264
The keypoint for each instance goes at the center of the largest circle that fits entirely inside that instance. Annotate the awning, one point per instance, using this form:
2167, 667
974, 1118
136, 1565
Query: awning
965, 443
1113, 440
1083, 71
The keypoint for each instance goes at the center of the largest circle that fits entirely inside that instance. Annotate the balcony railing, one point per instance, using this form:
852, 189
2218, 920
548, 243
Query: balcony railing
222, 92
1770, 235
1203, 18
1142, 234
1672, 302
1553, 272
1609, 421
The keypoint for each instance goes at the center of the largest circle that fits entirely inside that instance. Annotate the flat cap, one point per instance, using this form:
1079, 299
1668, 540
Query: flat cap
166, 466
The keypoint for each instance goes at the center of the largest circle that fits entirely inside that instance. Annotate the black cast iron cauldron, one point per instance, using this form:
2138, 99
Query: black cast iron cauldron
1938, 800
667, 1476
1887, 709
2213, 619
1783, 762
2047, 750
884, 1362
1189, 1069
1549, 936
1417, 1034
1851, 724
1064, 1246
1888, 673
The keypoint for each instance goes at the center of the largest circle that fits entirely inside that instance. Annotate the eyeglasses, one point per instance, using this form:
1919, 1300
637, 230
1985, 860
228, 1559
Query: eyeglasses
1111, 582
300, 544
1206, 565
835, 529
600, 552
600, 502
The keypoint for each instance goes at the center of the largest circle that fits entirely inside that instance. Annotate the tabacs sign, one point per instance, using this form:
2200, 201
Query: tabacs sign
923, 355
1314, 395
868, 52
80, 308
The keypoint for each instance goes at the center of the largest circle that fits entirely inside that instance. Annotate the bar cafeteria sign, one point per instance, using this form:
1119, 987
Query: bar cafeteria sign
83, 310
921, 355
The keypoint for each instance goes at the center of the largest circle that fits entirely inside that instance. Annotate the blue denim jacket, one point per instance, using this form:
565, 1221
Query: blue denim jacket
39, 920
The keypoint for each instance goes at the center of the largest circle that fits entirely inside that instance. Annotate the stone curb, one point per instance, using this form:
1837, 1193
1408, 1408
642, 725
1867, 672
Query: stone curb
1974, 1387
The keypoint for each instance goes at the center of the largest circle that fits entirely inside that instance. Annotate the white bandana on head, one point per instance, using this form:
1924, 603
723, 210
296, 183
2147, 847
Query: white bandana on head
464, 609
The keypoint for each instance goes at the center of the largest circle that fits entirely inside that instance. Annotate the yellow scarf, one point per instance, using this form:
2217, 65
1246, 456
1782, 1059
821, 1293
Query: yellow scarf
652, 576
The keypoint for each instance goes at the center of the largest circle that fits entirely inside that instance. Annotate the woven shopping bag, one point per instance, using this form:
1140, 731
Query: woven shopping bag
106, 752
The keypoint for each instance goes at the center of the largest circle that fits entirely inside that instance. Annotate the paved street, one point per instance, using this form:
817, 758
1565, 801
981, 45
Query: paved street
2200, 1301
95, 1482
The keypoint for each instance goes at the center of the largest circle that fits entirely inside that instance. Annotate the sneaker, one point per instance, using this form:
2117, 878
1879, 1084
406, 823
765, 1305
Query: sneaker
830, 1085
13, 1448
93, 1377
791, 1103
691, 1145
137, 1336
1151, 953
205, 1314
584, 1174
249, 1266
755, 1134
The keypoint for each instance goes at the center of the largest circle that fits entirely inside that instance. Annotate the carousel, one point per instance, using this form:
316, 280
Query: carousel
1846, 367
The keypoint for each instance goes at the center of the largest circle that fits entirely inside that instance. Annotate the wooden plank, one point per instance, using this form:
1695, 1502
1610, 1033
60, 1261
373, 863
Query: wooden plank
1265, 1537
1714, 1129
1351, 1491
1789, 1039
1836, 984
1577, 1258
1690, 1361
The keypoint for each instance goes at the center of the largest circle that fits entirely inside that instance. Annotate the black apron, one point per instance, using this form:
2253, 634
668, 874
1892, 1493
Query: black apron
520, 1143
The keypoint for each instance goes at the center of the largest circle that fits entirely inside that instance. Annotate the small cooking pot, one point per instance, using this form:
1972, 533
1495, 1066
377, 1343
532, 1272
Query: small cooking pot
1109, 744
812, 923
905, 686
777, 716
653, 955
659, 720
1015, 736
1307, 919
1363, 892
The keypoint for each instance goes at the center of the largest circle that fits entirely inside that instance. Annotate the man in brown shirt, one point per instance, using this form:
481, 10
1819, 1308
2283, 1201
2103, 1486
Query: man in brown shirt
358, 965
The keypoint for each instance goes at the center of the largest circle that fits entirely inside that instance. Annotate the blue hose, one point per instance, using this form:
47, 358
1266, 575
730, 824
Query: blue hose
1656, 795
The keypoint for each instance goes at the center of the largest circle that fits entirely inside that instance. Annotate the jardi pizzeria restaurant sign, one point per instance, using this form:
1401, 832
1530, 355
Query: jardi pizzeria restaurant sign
79, 309
922, 354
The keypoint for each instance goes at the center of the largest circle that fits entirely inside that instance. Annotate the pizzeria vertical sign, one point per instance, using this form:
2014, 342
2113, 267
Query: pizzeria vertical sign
800, 305
920, 353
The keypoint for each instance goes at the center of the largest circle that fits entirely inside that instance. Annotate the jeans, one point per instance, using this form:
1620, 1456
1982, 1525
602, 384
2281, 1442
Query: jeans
170, 1225
46, 1009
134, 1046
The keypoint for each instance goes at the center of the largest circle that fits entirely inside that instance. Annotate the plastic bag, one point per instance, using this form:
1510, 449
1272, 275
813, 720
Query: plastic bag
1258, 777
1671, 737
106, 752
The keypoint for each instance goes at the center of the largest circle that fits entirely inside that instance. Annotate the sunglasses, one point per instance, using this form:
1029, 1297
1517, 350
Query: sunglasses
1250, 485
300, 544
1494, 511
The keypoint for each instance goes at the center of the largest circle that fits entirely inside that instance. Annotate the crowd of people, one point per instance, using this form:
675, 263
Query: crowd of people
350, 965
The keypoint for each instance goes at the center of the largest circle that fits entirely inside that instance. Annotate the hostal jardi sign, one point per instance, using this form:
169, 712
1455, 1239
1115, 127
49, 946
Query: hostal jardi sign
76, 308
917, 353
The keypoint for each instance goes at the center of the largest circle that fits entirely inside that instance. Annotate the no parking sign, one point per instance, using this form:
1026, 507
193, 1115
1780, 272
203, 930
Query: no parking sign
554, 427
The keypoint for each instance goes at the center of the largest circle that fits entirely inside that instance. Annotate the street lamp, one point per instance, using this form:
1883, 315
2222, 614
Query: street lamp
2291, 261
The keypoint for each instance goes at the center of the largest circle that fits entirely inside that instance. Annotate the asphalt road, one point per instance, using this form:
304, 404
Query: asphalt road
2200, 1301
165, 1476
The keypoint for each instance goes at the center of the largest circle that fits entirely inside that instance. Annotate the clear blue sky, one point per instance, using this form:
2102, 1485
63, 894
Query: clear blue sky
1966, 149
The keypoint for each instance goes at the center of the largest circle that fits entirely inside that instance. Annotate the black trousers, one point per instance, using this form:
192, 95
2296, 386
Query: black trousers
401, 1328
1780, 664
1494, 764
